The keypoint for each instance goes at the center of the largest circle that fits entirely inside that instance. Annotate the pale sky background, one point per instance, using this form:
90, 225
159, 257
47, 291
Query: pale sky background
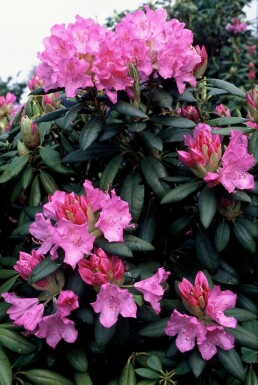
24, 23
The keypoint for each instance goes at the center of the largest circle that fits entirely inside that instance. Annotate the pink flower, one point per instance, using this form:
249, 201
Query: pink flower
218, 302
112, 301
222, 110
66, 302
74, 239
236, 26
94, 195
188, 112
204, 150
26, 312
215, 336
55, 327
235, 163
195, 297
152, 288
188, 329
43, 230
212, 179
100, 269
35, 82
114, 218
252, 103
26, 263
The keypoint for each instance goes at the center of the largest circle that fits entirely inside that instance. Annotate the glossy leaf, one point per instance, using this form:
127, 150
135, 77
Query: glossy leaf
133, 192
77, 359
196, 362
244, 337
222, 235
109, 173
147, 373
127, 376
240, 314
153, 171
180, 192
244, 237
207, 204
27, 176
151, 141
226, 86
114, 248
52, 159
43, 269
82, 379
6, 374
174, 122
253, 145
127, 109
14, 168
7, 285
16, 342
231, 361
206, 252
53, 115
154, 329
179, 225
154, 362
226, 121
249, 356
137, 244
90, 132
48, 182
46, 377
35, 194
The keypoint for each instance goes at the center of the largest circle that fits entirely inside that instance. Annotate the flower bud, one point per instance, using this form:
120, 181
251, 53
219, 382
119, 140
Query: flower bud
29, 133
229, 208
200, 68
22, 149
252, 103
50, 102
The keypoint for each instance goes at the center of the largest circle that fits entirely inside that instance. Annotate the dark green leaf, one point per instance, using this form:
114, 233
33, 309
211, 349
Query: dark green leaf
133, 192
226, 130
161, 98
137, 244
153, 171
154, 362
253, 145
147, 224
151, 141
249, 225
48, 182
171, 135
6, 374
180, 192
7, 285
94, 151
246, 303
16, 342
22, 231
222, 236
174, 122
226, 121
53, 115
115, 248
154, 329
206, 253
103, 335
226, 86
179, 225
109, 173
52, 159
182, 368
147, 373
82, 379
90, 132
127, 376
251, 377
70, 116
240, 314
35, 194
14, 168
127, 109
46, 377
231, 361
244, 237
197, 363
244, 337
207, 206
249, 356
4, 274
26, 178
77, 359
43, 269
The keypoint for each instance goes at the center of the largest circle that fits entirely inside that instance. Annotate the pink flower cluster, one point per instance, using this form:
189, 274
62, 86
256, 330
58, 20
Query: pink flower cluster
86, 54
7, 111
206, 326
236, 26
72, 222
28, 312
204, 157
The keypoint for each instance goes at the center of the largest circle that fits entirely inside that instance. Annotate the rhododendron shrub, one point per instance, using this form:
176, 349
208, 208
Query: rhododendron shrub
128, 224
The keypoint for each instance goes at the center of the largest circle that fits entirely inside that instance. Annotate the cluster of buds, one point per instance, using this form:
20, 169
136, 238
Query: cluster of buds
237, 26
251, 71
7, 111
230, 209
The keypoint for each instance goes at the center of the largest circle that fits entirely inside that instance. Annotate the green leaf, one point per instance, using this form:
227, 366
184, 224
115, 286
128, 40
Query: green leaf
161, 98
132, 191
70, 116
222, 236
226, 121
154, 329
253, 145
43, 269
6, 374
137, 127
21, 231
14, 167
115, 248
226, 130
246, 303
182, 368
244, 237
226, 86
249, 356
148, 373
197, 363
206, 253
7, 285
180, 192
251, 377
207, 206
53, 115
147, 224
174, 122
16, 342
90, 132
109, 173
46, 377
171, 135
137, 244
4, 274
27, 176
244, 337
127, 376
125, 108
151, 141
226, 274
82, 379
77, 359
231, 361
249, 225
48, 182
103, 335
35, 194
154, 362
240, 315
179, 225
52, 159
153, 171
44, 129
95, 151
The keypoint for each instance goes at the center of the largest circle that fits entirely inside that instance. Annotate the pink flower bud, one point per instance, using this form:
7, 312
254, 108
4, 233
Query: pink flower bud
29, 133
200, 68
252, 103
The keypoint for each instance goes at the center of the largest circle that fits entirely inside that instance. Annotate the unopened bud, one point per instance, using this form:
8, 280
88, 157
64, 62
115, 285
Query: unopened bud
22, 149
200, 68
29, 133
252, 103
